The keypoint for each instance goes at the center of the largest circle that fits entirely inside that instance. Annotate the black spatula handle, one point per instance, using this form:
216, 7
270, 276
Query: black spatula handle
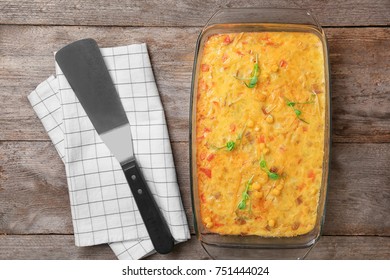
155, 224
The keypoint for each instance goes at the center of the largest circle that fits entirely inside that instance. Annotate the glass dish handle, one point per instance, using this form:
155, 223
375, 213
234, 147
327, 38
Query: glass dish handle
228, 253
263, 15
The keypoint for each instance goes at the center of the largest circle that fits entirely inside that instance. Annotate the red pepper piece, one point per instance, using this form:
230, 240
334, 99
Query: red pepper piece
205, 67
283, 63
206, 171
202, 198
311, 175
210, 157
261, 139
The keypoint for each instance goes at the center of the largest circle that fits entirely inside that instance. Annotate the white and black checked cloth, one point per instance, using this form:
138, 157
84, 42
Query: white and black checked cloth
102, 206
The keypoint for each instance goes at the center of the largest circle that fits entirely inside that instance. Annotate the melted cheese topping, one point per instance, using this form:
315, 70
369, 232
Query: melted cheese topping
280, 121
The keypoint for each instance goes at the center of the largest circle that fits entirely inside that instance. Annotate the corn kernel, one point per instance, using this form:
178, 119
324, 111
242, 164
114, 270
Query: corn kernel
274, 68
209, 225
262, 146
265, 151
269, 119
208, 222
250, 123
257, 128
275, 192
259, 150
271, 223
255, 186
261, 97
262, 178
259, 195
279, 187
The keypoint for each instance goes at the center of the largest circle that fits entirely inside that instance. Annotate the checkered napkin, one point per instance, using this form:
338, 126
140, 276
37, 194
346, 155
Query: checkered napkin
102, 206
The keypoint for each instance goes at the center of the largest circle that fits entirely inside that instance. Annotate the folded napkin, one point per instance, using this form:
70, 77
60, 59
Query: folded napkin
102, 206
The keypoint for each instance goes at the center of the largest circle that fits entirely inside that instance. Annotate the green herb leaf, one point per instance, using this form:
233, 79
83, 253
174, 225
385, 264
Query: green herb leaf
255, 78
271, 175
290, 104
297, 112
242, 205
245, 196
230, 145
255, 75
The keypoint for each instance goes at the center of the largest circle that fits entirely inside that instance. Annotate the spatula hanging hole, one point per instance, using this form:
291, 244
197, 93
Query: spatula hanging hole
133, 177
139, 191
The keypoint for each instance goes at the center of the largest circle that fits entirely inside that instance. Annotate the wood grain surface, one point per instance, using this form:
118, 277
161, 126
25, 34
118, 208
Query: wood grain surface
35, 219
61, 247
180, 13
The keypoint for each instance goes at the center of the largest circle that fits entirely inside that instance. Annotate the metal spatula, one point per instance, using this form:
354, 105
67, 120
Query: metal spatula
84, 68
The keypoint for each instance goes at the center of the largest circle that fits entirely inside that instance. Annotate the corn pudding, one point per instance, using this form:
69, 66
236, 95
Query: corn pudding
260, 122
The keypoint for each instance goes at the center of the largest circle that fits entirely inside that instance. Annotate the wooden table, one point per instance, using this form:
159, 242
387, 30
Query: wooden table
35, 220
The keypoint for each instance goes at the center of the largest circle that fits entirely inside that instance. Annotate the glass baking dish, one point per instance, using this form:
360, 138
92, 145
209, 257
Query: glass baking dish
238, 20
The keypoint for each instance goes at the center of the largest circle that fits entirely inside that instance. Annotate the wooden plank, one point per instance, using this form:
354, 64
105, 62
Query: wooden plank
359, 190
185, 13
351, 248
34, 198
33, 189
360, 78
61, 247
23, 68
50, 247
360, 89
